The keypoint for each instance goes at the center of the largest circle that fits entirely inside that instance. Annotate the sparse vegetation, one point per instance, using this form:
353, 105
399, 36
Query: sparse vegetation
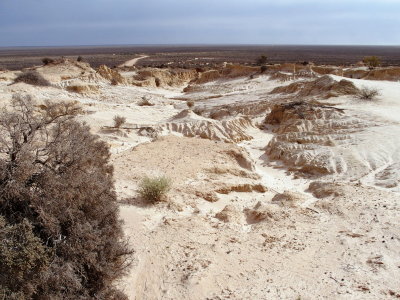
145, 102
154, 189
80, 58
47, 61
367, 93
372, 61
119, 121
60, 237
190, 104
262, 60
33, 78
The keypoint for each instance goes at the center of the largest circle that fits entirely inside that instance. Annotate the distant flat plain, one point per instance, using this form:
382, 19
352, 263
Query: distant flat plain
188, 56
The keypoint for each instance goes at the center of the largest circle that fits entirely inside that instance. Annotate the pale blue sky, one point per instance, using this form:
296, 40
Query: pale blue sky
100, 22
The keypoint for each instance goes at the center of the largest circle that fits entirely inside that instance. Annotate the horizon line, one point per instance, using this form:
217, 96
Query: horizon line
195, 45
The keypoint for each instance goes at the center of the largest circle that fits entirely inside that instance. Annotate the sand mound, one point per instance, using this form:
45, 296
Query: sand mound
288, 198
326, 189
66, 69
8, 75
187, 161
282, 76
82, 88
309, 135
229, 71
324, 86
163, 77
230, 214
112, 75
388, 73
208, 76
326, 70
262, 213
389, 177
190, 124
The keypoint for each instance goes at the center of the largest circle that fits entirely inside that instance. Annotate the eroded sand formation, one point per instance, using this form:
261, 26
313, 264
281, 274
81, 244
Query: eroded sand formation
285, 185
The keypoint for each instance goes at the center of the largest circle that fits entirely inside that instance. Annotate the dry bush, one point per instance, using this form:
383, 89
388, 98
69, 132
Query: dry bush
262, 60
119, 121
47, 60
367, 93
33, 78
59, 228
190, 104
154, 189
80, 58
145, 102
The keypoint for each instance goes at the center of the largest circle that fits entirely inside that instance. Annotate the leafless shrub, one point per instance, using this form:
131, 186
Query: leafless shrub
119, 121
33, 78
367, 93
59, 228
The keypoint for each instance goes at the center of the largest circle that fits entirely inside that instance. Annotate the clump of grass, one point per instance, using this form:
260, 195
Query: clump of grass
33, 78
367, 93
190, 104
154, 189
119, 121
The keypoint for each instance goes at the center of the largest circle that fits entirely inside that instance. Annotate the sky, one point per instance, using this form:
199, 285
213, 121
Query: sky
272, 22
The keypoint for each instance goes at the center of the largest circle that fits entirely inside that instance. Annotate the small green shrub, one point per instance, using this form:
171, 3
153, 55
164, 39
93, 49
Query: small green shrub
372, 61
33, 78
154, 189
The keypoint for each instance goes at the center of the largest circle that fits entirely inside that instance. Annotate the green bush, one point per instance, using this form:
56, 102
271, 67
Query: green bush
154, 189
372, 61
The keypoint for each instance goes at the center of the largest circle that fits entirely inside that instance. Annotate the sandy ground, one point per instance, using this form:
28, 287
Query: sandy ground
304, 209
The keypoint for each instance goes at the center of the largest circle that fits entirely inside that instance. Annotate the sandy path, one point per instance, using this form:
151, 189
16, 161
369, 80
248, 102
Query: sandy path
132, 62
